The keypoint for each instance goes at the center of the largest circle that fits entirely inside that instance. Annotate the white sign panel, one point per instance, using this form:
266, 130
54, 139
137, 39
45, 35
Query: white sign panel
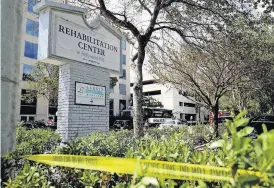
156, 120
80, 43
89, 94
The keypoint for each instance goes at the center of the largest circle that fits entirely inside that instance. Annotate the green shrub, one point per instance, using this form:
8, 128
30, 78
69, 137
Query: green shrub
29, 176
234, 150
239, 151
34, 141
100, 144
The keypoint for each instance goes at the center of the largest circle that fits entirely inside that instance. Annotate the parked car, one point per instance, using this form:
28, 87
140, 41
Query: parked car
257, 123
34, 124
172, 124
37, 124
223, 119
122, 124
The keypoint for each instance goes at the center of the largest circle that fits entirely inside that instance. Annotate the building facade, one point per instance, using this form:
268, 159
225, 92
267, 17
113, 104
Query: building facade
39, 108
173, 99
120, 94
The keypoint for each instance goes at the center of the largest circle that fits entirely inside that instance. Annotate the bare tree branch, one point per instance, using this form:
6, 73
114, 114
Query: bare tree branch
145, 7
134, 57
108, 14
153, 19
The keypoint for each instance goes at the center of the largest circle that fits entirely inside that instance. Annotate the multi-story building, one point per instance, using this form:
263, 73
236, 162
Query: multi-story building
39, 108
173, 99
120, 94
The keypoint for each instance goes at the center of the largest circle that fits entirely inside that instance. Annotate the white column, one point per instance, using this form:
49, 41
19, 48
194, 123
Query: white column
80, 119
42, 108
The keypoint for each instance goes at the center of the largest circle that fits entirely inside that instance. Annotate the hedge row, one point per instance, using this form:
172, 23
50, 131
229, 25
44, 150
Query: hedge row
235, 150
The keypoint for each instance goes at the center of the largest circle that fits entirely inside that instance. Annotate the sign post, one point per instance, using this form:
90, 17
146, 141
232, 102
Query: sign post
86, 52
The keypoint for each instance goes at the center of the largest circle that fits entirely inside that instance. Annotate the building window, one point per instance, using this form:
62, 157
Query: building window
189, 104
122, 89
124, 59
190, 117
31, 3
52, 113
26, 118
31, 118
122, 104
28, 107
124, 76
52, 110
27, 72
111, 106
123, 45
150, 93
148, 82
181, 104
111, 90
32, 28
31, 50
182, 116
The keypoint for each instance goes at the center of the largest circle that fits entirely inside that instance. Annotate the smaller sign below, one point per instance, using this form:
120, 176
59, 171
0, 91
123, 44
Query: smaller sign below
90, 94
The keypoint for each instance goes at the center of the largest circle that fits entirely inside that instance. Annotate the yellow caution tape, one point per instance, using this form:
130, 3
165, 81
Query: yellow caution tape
152, 168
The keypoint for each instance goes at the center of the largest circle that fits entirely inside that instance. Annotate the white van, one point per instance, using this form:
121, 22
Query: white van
172, 123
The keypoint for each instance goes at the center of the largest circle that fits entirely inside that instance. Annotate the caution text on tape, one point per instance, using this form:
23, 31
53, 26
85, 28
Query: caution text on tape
152, 168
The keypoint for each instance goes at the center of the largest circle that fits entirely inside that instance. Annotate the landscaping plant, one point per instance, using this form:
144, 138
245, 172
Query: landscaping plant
235, 150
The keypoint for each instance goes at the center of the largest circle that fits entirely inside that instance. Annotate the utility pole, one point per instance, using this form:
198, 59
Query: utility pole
11, 18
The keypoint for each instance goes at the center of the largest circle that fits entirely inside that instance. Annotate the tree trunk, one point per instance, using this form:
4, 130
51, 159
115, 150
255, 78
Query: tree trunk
138, 94
215, 110
199, 109
272, 104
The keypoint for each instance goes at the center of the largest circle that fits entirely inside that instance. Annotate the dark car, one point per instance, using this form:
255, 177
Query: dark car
122, 124
223, 119
257, 123
34, 124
